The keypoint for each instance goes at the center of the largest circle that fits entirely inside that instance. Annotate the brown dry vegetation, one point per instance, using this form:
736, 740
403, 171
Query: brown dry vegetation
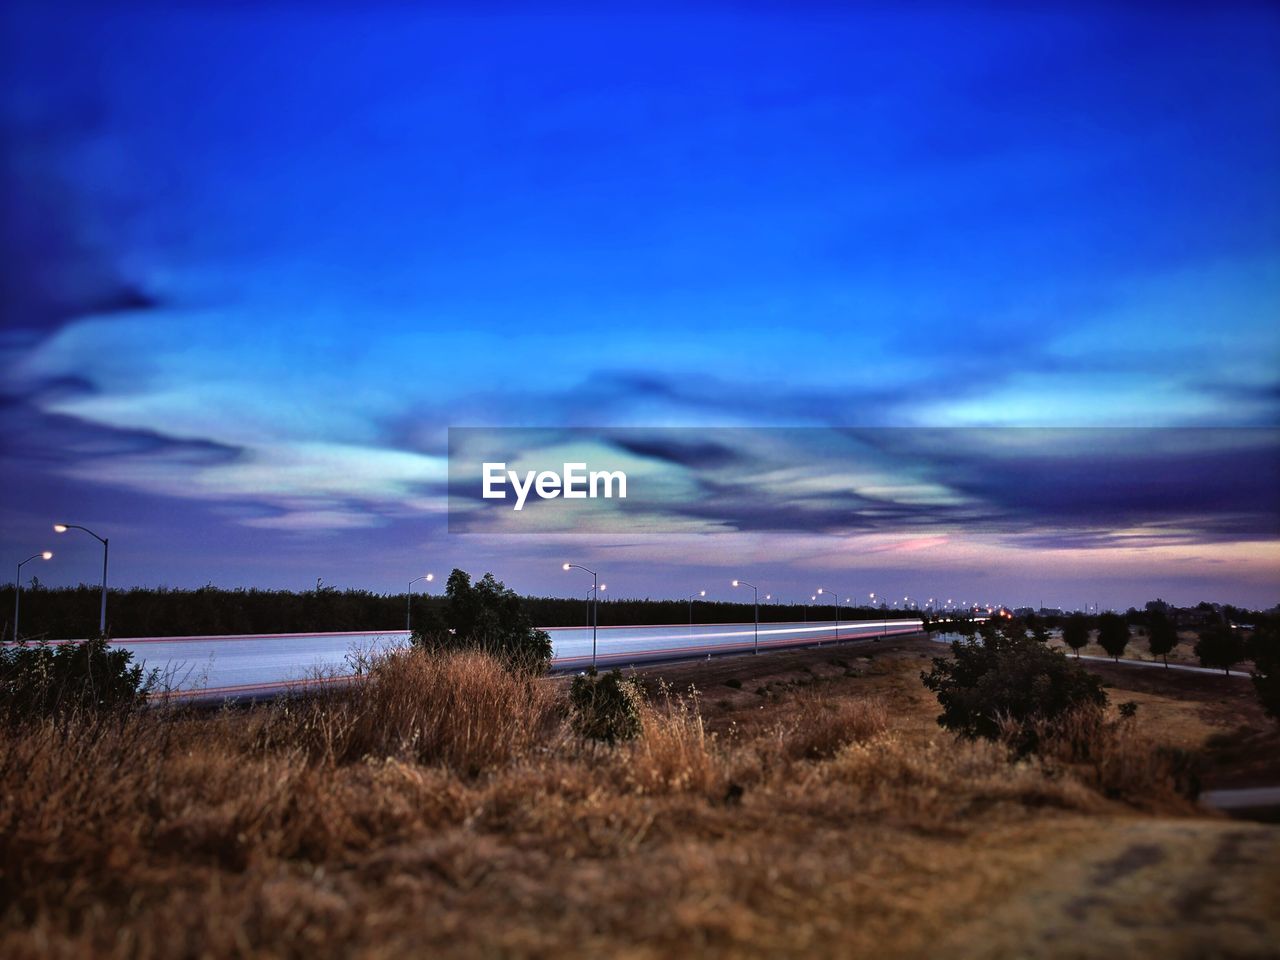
444, 806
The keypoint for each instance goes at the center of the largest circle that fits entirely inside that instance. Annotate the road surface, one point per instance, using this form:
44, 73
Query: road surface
216, 667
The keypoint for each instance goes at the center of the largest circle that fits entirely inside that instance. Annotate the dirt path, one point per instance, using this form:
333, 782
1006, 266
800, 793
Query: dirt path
1142, 888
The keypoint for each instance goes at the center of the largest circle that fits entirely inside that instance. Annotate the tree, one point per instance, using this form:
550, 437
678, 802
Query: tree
1075, 632
46, 680
490, 616
1113, 634
1220, 646
1263, 649
1039, 632
1162, 638
987, 684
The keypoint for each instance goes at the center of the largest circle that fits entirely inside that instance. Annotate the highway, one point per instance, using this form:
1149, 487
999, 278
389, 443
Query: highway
218, 667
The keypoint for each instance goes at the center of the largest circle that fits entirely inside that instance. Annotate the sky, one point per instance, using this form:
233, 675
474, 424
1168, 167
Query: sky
260, 257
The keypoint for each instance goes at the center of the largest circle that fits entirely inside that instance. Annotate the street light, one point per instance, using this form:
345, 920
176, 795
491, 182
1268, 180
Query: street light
884, 625
587, 598
408, 609
691, 598
102, 612
17, 587
836, 599
595, 605
756, 592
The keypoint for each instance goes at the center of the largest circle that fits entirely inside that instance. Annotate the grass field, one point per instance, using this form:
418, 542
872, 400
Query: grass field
800, 803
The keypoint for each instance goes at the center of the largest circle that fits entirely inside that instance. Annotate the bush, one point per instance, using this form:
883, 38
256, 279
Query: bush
45, 680
988, 685
488, 616
606, 707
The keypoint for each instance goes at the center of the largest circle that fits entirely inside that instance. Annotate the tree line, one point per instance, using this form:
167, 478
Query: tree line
1218, 644
71, 613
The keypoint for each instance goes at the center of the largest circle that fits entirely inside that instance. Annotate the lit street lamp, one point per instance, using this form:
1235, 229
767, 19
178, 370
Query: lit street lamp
836, 600
102, 612
17, 588
408, 611
595, 605
587, 598
756, 592
691, 598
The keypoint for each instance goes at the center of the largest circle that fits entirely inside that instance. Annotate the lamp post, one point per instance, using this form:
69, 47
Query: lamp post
17, 588
590, 591
836, 599
102, 612
691, 598
756, 593
408, 607
595, 605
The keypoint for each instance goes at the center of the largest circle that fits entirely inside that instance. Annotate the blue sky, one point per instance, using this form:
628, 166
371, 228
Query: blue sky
261, 256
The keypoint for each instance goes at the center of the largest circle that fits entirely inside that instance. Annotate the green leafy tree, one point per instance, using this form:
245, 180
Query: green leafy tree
1263, 648
488, 615
1220, 647
44, 680
986, 685
1113, 634
1162, 638
1075, 632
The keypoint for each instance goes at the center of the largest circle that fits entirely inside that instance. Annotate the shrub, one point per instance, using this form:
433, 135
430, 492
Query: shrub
606, 707
987, 685
45, 680
488, 616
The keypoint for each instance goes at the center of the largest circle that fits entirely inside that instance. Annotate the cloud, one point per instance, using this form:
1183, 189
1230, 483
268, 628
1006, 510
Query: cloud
1037, 488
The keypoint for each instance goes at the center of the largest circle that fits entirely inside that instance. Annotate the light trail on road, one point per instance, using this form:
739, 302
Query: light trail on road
217, 667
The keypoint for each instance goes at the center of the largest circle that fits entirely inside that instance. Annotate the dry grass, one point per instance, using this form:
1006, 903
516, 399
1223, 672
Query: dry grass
443, 806
462, 710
